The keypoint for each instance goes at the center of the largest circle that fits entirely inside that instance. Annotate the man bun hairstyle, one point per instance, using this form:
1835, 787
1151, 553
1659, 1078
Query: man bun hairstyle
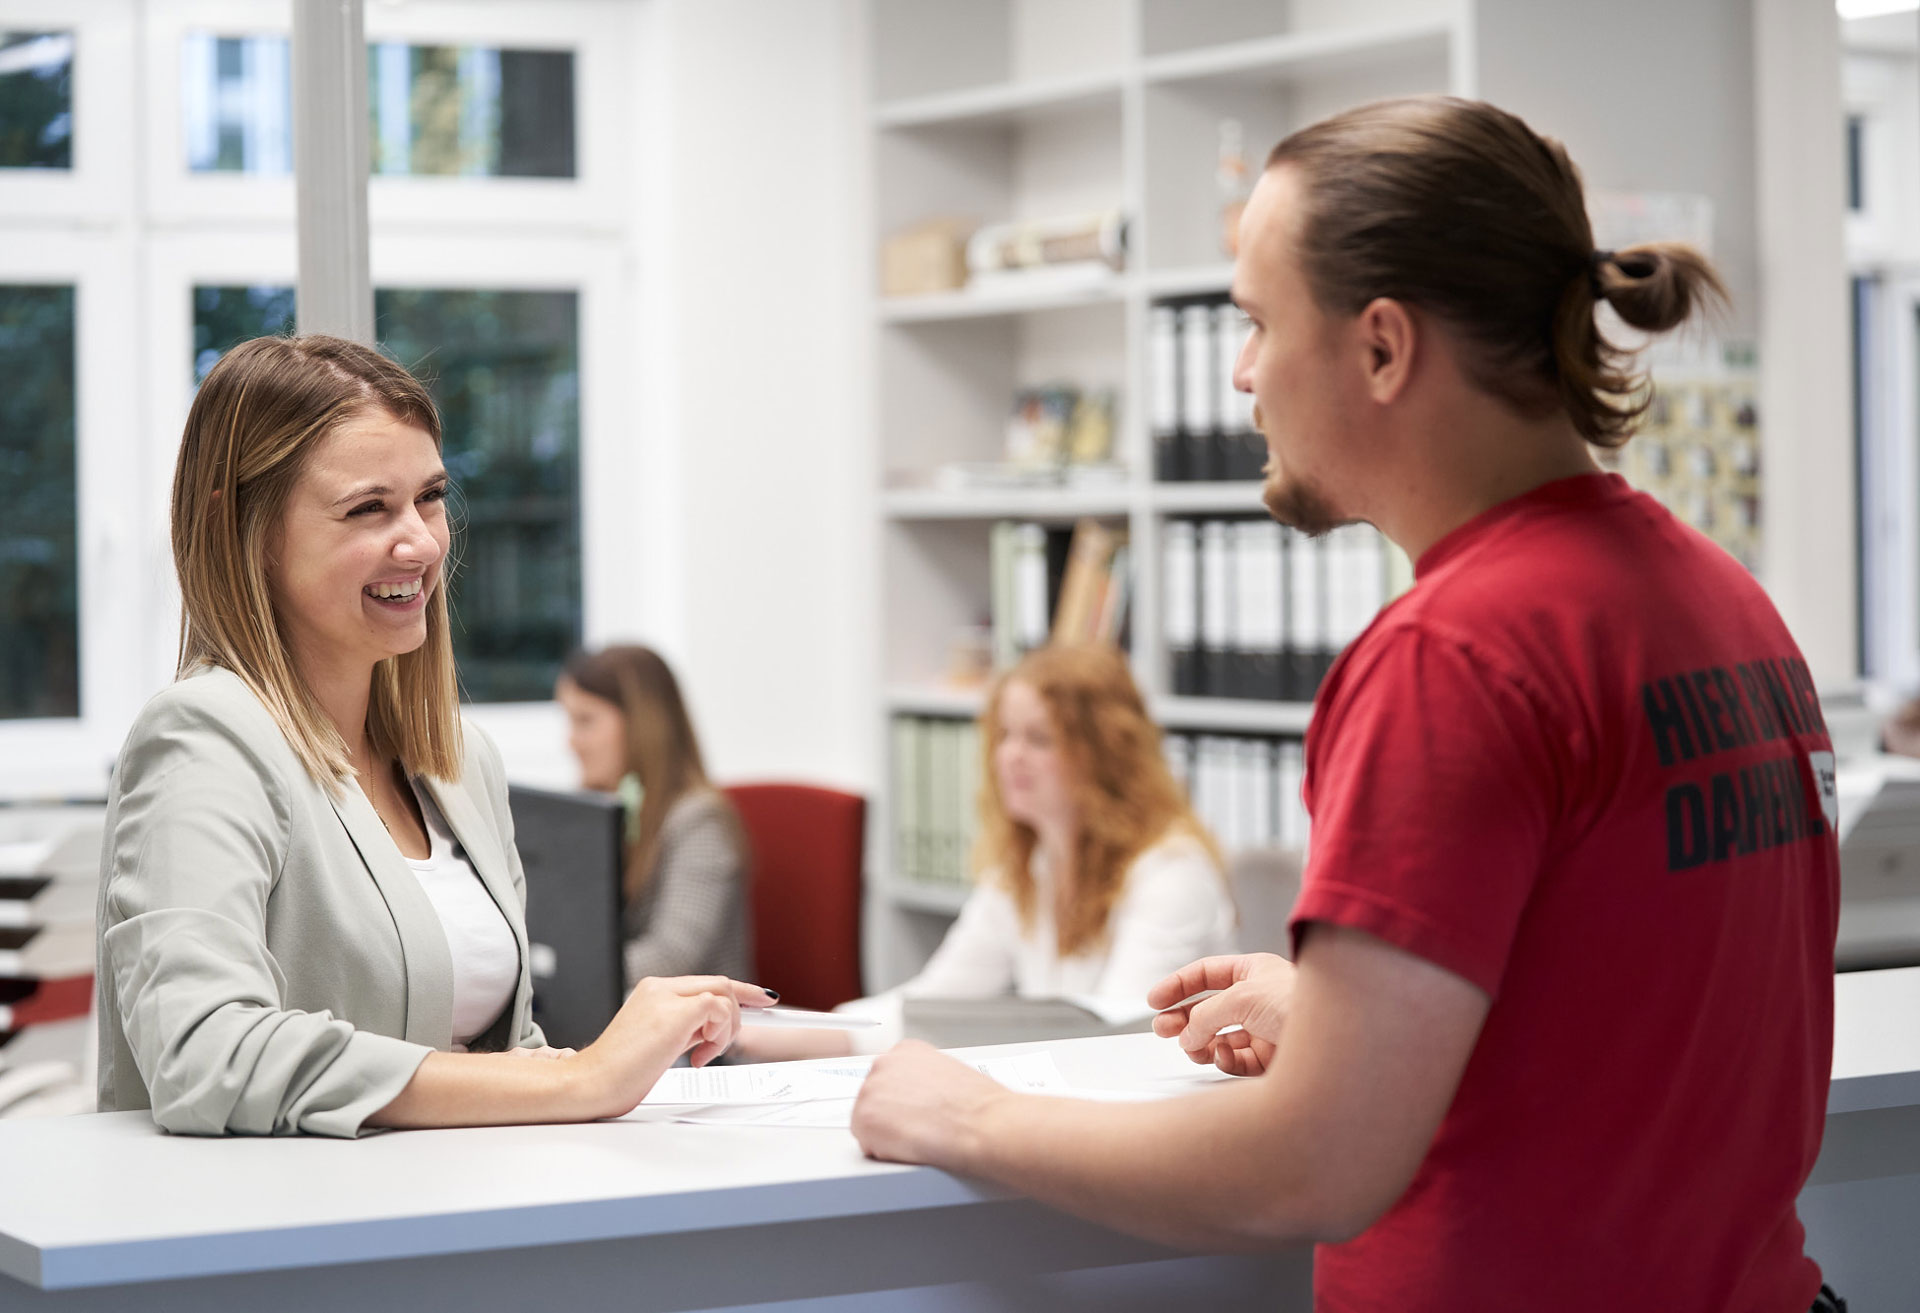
1462, 210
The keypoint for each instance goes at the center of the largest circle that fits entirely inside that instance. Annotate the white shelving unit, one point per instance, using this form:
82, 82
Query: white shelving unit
1013, 109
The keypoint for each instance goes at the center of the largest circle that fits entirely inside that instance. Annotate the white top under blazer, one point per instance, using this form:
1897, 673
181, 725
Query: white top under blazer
486, 962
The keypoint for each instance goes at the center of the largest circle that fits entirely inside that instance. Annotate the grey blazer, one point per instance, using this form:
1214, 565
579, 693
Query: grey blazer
268, 963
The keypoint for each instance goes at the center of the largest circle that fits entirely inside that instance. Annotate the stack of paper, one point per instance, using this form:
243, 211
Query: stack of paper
821, 1094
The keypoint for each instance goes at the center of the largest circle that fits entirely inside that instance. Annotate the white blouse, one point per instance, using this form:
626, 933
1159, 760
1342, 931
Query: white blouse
1173, 908
486, 962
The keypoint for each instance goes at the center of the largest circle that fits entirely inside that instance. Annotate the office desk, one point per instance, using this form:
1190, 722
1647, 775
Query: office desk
105, 1212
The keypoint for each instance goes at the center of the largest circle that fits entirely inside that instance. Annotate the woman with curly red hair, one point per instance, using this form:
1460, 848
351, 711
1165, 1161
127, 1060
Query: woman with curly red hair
1094, 875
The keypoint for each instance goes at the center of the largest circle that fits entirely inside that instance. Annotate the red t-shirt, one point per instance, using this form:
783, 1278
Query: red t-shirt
1581, 764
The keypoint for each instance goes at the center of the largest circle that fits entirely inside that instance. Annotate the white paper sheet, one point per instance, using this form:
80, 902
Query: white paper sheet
792, 1094
822, 1114
762, 1083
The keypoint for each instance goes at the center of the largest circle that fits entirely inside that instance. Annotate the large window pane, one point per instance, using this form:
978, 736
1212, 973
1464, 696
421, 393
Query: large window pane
463, 111
36, 100
504, 369
39, 553
226, 316
237, 103
471, 111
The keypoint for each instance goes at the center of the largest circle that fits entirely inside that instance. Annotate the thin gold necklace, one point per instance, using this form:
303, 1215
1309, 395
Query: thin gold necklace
365, 792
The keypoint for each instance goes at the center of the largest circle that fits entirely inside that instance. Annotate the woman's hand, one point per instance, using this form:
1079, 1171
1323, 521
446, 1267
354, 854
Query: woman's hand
1256, 993
661, 1019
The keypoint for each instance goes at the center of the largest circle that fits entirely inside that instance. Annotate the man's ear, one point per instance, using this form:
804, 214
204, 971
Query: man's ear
1389, 335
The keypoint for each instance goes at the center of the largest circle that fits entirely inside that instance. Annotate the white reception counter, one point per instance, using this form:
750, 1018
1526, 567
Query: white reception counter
104, 1211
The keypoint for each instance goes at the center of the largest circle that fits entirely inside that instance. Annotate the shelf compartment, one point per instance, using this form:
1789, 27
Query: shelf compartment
1270, 87
931, 52
947, 386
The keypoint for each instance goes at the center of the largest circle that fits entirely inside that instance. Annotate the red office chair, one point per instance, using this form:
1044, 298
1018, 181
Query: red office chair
805, 848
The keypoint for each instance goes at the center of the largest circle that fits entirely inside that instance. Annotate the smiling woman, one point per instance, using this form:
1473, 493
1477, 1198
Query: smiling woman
313, 916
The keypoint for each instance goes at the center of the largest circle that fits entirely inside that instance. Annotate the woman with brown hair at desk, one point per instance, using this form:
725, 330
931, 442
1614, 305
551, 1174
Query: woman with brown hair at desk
1096, 879
684, 886
312, 917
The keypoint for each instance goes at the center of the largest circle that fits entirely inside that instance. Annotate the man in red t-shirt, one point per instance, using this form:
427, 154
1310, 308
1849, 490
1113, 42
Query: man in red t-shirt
1561, 1027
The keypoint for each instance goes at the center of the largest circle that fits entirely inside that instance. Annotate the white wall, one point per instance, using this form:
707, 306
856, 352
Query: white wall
1739, 100
1649, 96
753, 260
1811, 562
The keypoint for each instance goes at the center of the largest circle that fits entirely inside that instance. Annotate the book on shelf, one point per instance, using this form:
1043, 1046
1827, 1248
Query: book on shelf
936, 786
1051, 584
1244, 787
1202, 425
1093, 586
1257, 611
1066, 251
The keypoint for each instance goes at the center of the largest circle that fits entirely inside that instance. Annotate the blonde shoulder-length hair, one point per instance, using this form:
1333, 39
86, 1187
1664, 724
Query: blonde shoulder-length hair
254, 423
1125, 797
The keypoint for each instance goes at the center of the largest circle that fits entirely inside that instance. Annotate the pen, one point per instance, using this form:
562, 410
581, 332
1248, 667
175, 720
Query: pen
1190, 1000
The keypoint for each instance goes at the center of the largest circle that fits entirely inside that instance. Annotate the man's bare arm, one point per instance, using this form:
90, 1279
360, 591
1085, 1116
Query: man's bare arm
1317, 1149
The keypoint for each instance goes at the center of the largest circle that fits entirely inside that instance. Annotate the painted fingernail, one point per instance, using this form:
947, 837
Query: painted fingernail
773, 994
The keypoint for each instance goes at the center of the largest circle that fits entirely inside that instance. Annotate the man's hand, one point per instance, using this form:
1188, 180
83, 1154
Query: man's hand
920, 1106
1256, 993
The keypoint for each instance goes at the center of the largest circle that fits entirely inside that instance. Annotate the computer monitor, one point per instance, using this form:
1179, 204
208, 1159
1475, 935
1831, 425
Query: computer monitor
571, 846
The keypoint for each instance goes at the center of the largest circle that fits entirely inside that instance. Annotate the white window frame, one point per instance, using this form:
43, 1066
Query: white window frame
176, 194
68, 757
100, 183
592, 200
135, 253
1890, 479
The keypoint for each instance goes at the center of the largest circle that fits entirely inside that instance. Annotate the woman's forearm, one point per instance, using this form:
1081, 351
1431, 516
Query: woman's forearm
493, 1089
